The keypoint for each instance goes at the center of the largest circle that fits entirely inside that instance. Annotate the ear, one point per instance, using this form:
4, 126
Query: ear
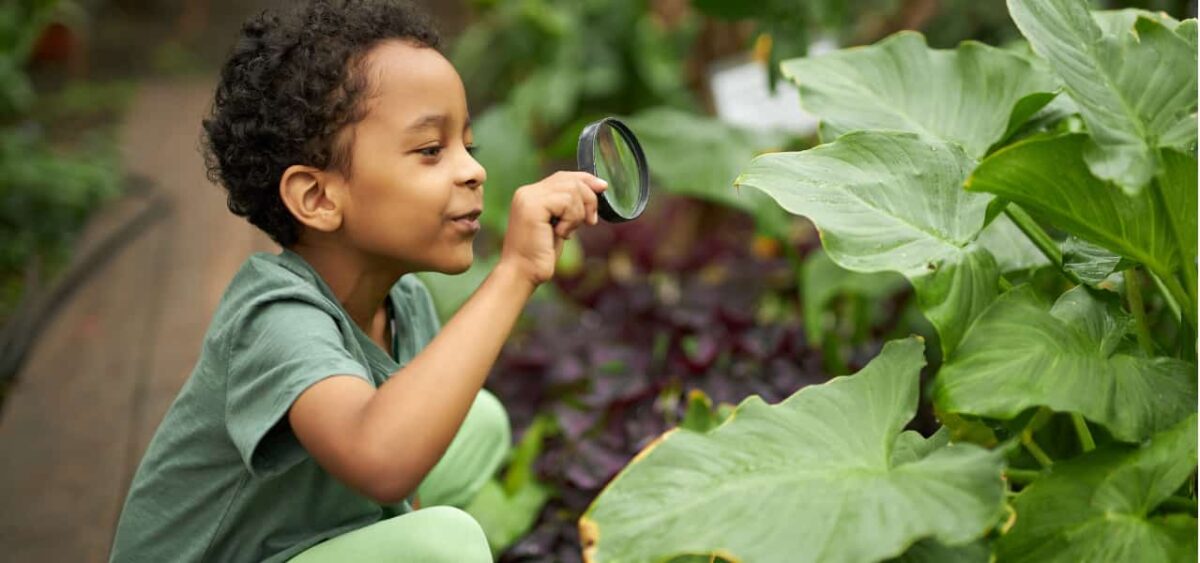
313, 201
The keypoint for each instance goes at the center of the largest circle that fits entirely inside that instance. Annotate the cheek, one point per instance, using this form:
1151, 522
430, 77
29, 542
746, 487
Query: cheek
401, 219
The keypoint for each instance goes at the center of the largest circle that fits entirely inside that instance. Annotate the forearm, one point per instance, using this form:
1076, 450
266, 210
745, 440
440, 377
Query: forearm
414, 416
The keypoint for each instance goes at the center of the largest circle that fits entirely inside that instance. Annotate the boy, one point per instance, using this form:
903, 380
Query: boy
325, 396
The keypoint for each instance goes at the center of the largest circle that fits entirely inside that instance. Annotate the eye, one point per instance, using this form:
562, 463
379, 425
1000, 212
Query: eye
430, 151
472, 149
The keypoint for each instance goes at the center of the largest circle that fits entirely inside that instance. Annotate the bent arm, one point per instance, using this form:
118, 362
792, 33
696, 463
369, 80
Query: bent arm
382, 442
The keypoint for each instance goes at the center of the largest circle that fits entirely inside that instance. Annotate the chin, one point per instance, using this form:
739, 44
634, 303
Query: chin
458, 266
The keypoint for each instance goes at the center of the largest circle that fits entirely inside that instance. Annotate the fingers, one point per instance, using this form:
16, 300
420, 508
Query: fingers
591, 204
572, 200
595, 184
570, 210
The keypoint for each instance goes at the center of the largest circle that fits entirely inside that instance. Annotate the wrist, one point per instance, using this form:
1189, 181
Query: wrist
513, 278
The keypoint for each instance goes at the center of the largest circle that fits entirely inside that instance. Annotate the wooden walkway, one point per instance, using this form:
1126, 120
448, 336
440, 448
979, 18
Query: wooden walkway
105, 370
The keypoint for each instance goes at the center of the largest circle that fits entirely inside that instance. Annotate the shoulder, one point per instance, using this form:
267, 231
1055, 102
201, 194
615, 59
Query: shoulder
266, 286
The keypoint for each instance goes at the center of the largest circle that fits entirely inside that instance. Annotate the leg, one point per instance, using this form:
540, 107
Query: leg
473, 456
440, 534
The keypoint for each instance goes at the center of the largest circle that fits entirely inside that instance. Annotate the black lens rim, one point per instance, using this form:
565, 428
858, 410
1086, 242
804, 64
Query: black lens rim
586, 157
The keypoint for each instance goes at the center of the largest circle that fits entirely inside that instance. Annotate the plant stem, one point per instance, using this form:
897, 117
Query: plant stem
1172, 304
1133, 292
1034, 449
1021, 476
1180, 503
1085, 435
1040, 239
1189, 265
1176, 291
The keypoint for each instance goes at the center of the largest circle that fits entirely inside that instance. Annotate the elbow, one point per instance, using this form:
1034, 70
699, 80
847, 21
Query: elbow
389, 481
388, 493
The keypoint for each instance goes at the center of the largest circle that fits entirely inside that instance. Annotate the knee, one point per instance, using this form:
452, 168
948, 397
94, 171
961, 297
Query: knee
453, 536
493, 420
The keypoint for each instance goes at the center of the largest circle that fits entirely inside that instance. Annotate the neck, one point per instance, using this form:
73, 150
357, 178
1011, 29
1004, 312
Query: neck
359, 282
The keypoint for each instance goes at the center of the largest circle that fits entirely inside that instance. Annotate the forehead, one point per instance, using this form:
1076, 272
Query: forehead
407, 81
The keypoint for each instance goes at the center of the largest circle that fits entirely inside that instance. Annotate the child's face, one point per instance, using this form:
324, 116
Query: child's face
411, 178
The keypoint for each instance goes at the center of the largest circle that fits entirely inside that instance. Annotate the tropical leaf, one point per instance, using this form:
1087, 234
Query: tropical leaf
930, 551
507, 509
1098, 507
1047, 176
506, 518
700, 157
967, 95
1135, 87
1013, 251
1116, 22
810, 479
893, 201
822, 281
1187, 30
1093, 264
1019, 355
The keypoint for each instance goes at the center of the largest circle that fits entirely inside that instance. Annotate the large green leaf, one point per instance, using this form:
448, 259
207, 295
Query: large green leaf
1019, 355
699, 156
893, 201
1098, 507
1135, 87
1047, 176
965, 95
1093, 264
507, 509
822, 280
810, 479
1014, 252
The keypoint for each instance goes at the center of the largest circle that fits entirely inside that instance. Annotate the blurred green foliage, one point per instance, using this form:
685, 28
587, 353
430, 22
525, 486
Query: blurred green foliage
46, 189
554, 61
794, 26
546, 68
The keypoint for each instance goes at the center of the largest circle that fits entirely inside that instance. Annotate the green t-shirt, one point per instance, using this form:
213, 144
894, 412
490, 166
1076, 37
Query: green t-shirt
224, 478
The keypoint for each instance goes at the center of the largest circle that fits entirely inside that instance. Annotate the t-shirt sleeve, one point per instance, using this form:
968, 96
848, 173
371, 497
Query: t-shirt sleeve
278, 351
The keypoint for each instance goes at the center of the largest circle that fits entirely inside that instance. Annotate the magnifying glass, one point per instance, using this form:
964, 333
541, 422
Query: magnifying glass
609, 150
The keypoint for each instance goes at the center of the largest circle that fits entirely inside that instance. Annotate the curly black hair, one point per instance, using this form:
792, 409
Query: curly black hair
292, 83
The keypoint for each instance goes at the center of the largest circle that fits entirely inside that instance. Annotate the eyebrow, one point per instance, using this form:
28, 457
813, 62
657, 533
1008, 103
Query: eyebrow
435, 120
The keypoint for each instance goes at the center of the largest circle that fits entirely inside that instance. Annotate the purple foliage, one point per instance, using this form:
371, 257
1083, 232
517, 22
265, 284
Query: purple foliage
664, 304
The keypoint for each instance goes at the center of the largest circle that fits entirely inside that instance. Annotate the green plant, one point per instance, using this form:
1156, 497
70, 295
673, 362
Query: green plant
46, 190
1069, 407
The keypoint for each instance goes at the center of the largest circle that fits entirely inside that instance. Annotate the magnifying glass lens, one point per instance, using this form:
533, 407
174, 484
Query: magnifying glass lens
616, 164
608, 149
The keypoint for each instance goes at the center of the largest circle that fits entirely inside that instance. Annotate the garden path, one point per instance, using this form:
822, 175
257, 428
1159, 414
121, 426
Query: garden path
106, 368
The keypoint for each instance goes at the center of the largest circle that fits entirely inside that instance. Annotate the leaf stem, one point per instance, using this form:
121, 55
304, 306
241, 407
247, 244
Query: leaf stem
1040, 239
1021, 476
1182, 237
1034, 449
1133, 292
1175, 289
1085, 435
1172, 304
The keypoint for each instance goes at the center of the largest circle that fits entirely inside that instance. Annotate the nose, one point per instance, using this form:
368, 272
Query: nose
472, 174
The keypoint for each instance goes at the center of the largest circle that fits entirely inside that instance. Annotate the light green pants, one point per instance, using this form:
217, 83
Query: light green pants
440, 531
